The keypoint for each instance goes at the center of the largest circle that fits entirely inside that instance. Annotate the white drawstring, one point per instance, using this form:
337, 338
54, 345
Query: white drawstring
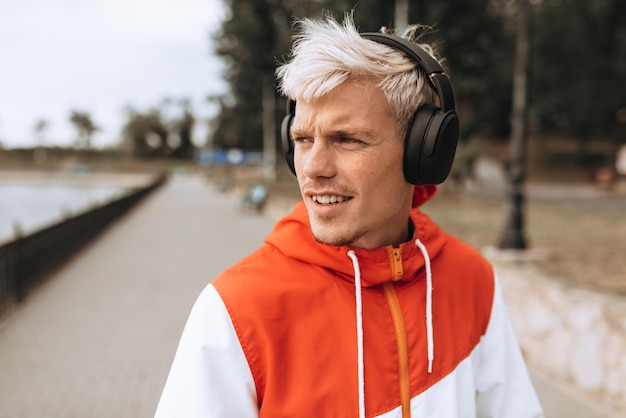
359, 320
429, 305
359, 331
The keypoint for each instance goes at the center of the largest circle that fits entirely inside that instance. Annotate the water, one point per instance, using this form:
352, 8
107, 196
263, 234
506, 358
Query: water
31, 207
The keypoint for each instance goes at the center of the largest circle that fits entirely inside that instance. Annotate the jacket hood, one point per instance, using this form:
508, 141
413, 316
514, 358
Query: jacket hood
293, 237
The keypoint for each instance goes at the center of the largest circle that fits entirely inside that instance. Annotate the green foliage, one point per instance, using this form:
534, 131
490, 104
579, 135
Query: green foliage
247, 42
154, 134
579, 66
145, 133
477, 48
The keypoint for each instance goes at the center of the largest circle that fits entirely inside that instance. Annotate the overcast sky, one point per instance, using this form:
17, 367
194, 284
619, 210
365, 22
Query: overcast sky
100, 56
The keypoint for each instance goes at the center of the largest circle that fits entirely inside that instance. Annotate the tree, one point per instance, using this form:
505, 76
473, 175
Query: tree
513, 233
182, 128
145, 133
477, 42
41, 126
579, 68
401, 15
246, 41
85, 126
178, 120
39, 152
162, 131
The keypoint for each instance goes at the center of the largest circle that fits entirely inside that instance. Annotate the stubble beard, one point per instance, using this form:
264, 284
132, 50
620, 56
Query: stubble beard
341, 239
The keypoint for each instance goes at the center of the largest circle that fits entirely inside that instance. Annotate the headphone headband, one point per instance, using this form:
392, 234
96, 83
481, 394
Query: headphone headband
433, 132
436, 75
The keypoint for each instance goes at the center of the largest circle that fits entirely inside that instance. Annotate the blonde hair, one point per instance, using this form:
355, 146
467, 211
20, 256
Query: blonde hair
326, 54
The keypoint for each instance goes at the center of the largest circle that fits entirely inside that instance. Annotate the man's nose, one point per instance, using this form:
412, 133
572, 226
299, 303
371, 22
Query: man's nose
319, 160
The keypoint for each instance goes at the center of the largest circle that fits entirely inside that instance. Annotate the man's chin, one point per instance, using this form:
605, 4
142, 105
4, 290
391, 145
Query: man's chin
335, 239
332, 243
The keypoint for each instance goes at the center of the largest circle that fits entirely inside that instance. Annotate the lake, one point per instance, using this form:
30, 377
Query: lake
30, 207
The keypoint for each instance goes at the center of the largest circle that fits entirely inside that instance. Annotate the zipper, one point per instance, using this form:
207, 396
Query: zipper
395, 256
403, 350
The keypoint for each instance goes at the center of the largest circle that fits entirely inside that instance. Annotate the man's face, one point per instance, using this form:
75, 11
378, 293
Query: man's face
348, 160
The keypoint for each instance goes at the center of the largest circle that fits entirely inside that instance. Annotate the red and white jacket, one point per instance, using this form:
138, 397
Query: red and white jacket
302, 329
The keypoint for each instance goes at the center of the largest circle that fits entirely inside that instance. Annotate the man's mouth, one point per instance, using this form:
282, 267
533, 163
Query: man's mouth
329, 199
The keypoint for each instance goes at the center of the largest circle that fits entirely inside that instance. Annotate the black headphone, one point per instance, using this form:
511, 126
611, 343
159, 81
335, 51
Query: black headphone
432, 134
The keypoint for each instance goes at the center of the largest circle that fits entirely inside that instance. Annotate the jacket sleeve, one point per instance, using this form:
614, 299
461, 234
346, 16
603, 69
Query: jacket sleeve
210, 376
503, 386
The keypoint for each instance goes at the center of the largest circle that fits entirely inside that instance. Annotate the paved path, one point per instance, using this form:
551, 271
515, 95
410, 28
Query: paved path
97, 338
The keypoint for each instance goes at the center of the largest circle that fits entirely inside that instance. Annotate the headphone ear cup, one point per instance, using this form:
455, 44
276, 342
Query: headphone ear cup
430, 145
286, 142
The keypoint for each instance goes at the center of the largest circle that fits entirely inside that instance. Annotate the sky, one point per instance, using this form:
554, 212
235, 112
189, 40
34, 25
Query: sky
101, 56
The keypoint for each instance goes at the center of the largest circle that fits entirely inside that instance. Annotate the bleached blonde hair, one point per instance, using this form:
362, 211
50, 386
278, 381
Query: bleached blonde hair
326, 54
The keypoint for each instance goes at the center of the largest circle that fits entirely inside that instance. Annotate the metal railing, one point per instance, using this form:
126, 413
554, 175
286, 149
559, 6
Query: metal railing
27, 260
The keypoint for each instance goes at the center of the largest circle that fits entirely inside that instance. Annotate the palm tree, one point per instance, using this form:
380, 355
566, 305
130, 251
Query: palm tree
85, 126
41, 126
40, 154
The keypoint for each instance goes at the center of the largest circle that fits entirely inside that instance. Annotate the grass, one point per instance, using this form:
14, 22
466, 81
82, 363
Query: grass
583, 247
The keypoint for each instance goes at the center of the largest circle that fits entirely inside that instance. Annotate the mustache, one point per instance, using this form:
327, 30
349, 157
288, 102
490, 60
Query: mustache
327, 185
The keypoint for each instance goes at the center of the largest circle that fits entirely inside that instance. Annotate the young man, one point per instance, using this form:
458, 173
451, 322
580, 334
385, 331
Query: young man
358, 304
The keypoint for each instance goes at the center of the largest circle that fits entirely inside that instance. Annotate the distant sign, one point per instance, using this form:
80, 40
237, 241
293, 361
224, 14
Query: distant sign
233, 156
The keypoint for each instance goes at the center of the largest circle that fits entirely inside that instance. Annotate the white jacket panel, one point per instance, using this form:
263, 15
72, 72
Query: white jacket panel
210, 376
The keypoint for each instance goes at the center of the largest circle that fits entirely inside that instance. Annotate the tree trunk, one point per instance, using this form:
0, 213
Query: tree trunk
269, 131
401, 15
513, 233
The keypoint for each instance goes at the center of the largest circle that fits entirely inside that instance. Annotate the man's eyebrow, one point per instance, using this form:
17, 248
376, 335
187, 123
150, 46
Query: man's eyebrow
337, 133
299, 132
351, 133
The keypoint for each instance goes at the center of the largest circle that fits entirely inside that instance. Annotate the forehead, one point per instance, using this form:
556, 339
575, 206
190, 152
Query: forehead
357, 103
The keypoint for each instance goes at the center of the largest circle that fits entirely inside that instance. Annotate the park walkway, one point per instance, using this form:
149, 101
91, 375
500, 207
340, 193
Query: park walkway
97, 338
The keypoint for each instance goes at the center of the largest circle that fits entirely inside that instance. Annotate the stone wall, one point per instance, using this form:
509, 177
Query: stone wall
574, 335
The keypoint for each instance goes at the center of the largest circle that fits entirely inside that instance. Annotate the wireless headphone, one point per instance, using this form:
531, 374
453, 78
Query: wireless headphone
433, 132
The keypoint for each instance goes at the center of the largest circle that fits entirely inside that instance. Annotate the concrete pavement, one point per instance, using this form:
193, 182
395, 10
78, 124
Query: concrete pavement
97, 338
